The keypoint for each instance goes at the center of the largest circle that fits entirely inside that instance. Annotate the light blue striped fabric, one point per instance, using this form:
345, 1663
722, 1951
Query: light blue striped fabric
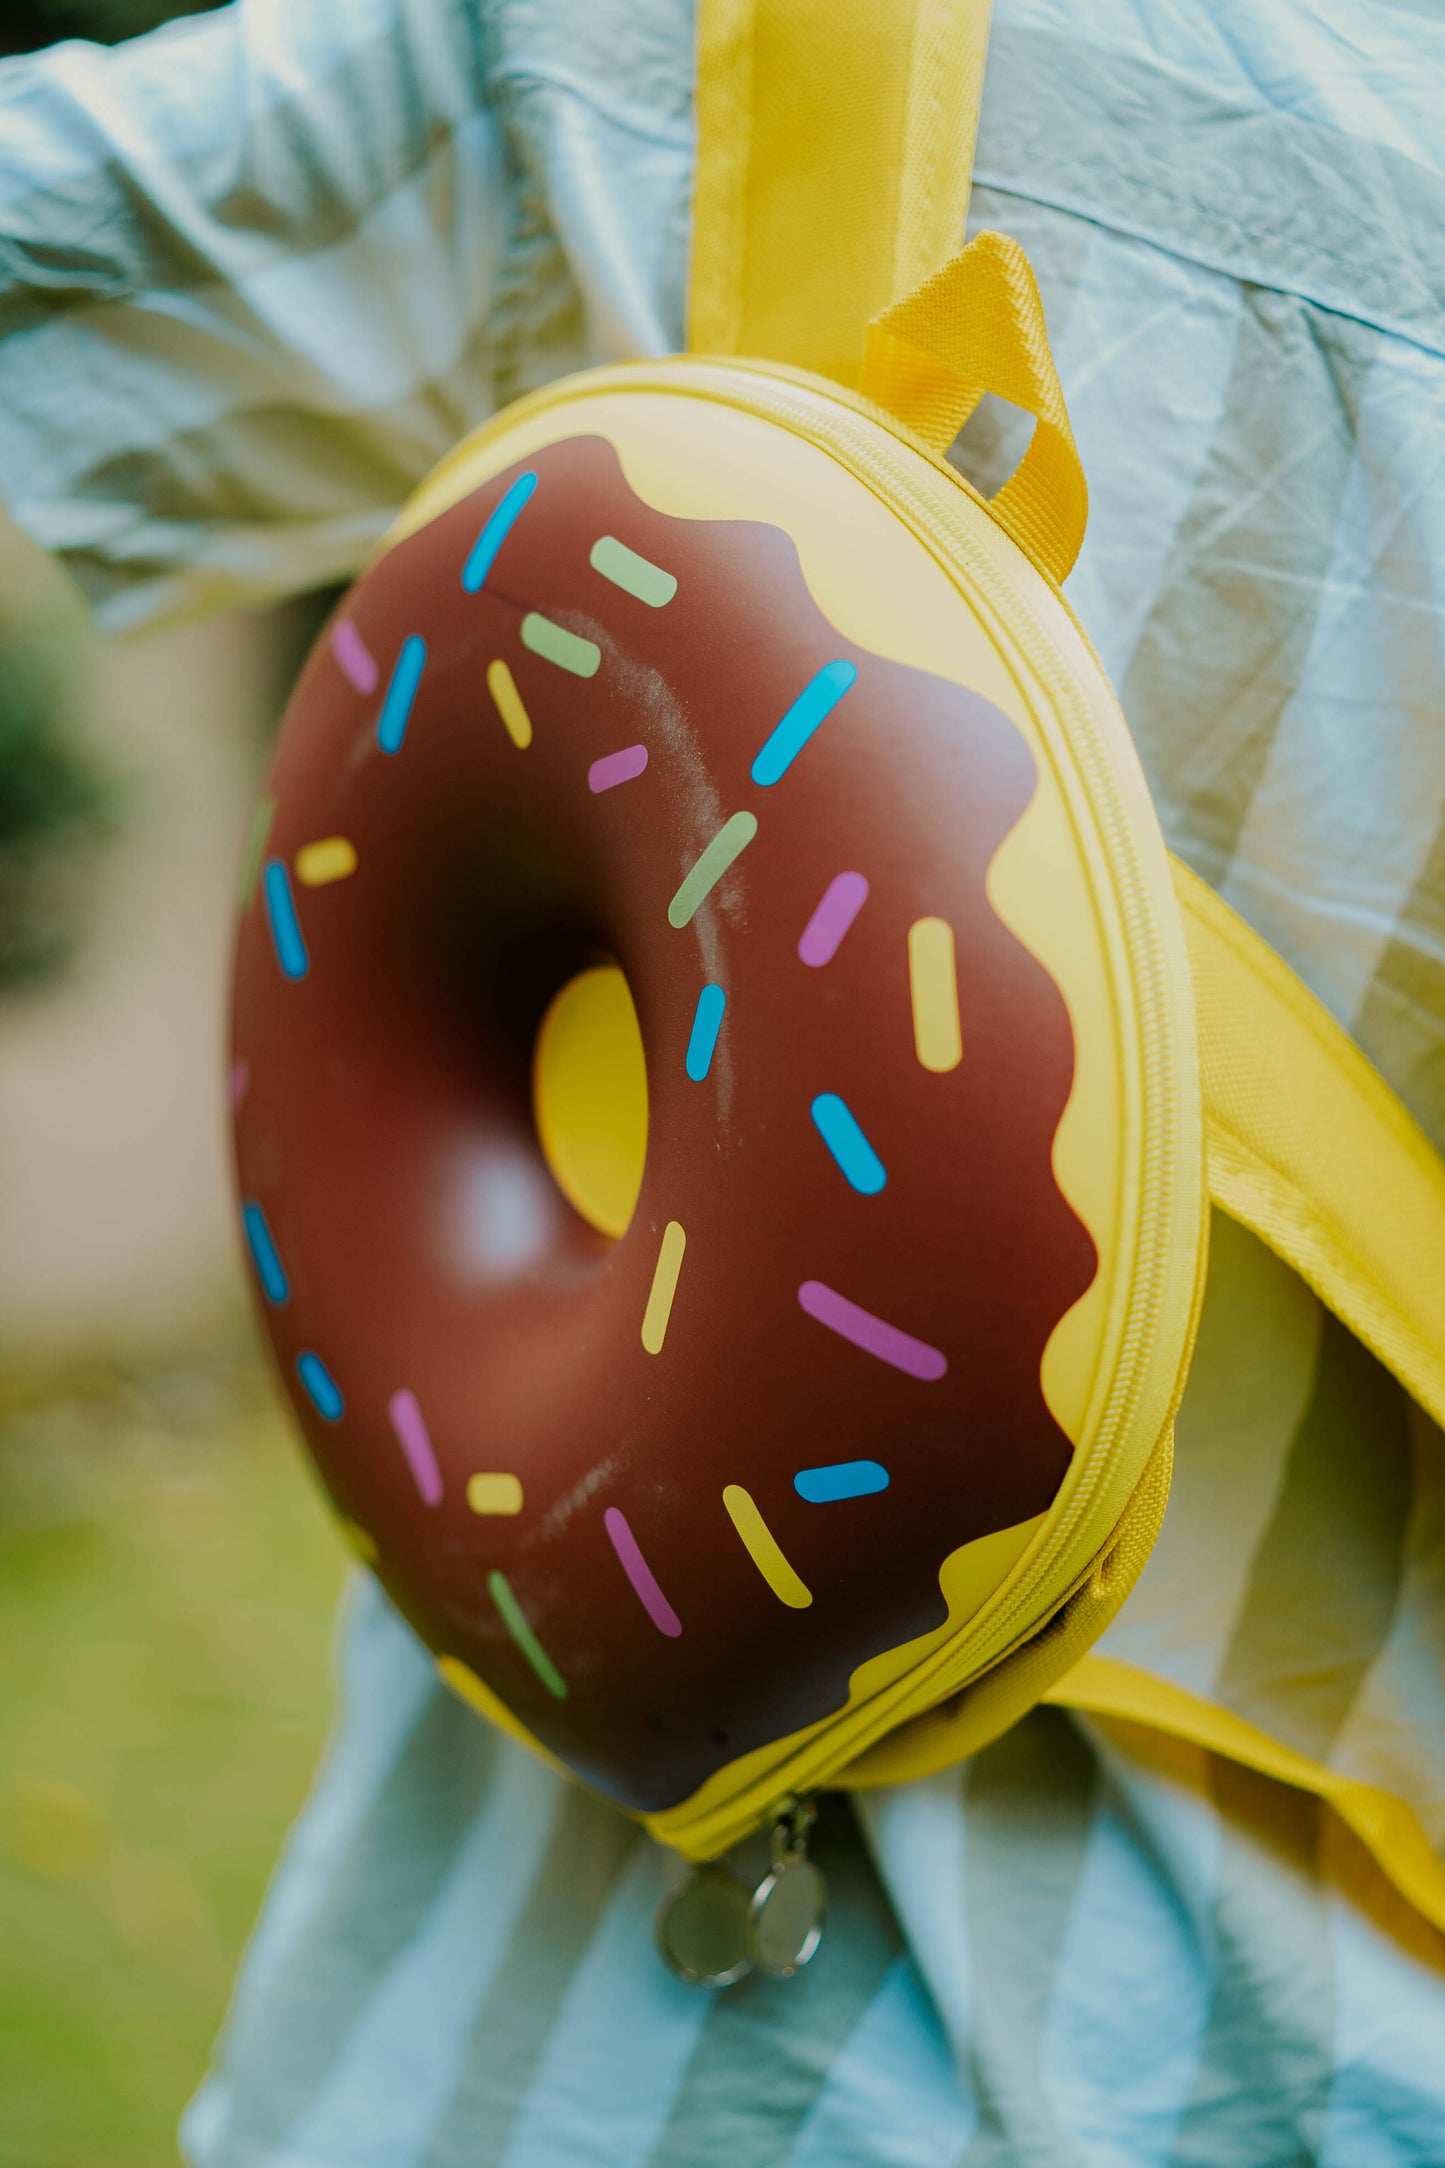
256, 275
1033, 1959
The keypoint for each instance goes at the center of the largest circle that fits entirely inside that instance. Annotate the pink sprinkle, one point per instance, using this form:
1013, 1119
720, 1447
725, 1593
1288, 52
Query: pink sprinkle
843, 899
240, 1079
640, 1574
352, 653
870, 1332
411, 1431
617, 768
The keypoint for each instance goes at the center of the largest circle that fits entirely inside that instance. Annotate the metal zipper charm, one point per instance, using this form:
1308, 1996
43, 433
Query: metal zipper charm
702, 1928
712, 1933
790, 1904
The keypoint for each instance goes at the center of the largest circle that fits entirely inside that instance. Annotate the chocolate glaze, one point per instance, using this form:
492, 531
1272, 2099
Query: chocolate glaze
387, 1129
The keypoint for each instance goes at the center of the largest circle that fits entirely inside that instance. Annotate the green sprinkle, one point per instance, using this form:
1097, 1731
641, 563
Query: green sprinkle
638, 575
731, 840
554, 644
499, 1588
256, 843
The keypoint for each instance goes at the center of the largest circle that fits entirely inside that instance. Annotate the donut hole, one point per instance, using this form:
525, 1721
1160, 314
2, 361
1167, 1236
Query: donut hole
500, 971
589, 1096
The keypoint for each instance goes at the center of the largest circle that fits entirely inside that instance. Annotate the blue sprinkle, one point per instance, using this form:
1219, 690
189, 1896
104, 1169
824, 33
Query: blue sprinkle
845, 1140
495, 533
269, 1268
818, 699
285, 926
400, 693
845, 1479
321, 1385
706, 1025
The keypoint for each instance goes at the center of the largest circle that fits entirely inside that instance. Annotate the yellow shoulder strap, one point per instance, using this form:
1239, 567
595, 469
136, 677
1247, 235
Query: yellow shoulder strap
1391, 1829
1310, 1149
834, 149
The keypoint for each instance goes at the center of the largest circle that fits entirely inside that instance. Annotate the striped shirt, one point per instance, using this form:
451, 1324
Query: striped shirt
257, 273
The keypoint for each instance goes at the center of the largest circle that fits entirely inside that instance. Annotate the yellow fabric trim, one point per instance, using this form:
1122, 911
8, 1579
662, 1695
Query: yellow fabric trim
835, 144
1309, 1148
1101, 1687
976, 326
968, 1721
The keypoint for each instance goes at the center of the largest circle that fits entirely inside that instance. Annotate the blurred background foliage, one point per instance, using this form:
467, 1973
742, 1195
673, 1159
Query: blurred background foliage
166, 1579
55, 807
26, 25
167, 1570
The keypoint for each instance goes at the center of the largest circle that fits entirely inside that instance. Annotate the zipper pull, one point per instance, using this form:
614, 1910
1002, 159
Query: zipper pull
790, 1904
713, 1934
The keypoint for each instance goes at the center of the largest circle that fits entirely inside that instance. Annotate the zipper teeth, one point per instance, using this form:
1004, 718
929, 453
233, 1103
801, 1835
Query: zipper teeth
890, 478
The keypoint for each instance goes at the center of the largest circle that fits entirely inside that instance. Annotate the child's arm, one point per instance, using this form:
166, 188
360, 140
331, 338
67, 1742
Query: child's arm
246, 270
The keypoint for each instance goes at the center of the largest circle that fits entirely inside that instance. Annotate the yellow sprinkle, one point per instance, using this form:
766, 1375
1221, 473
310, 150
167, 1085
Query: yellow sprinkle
330, 860
664, 1287
933, 981
762, 1549
494, 1493
503, 688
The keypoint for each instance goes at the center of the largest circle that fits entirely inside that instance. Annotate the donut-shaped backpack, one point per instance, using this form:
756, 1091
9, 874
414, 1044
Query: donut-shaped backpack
718, 1111
719, 1144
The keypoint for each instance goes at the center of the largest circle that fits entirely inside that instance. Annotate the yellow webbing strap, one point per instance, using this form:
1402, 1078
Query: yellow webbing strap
1310, 1149
835, 144
1392, 1831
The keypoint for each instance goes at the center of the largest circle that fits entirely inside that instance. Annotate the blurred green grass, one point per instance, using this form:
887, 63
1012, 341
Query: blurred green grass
167, 1578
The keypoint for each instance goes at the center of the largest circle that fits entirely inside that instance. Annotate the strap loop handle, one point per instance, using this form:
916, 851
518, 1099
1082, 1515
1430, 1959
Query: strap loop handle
976, 326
